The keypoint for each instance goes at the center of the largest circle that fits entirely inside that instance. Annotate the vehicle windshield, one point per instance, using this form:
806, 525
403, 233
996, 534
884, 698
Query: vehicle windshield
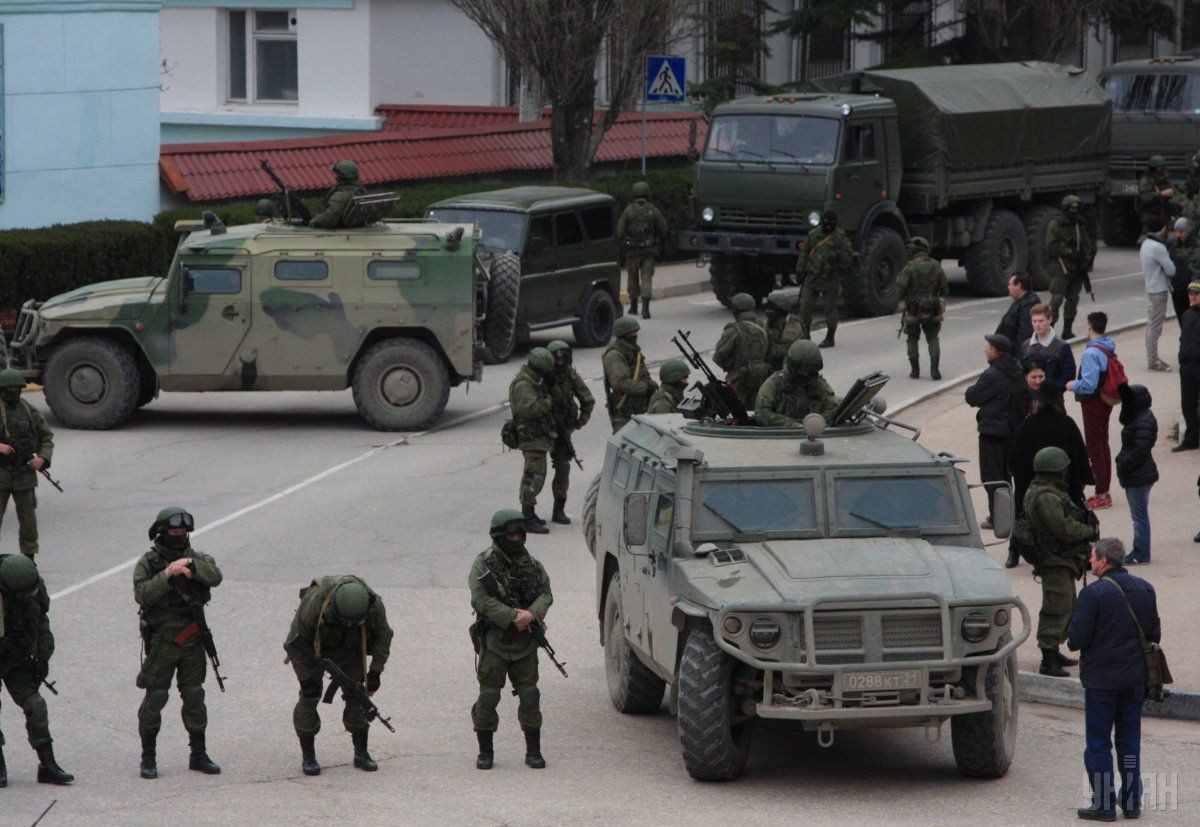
777, 507
499, 229
1153, 93
773, 139
891, 503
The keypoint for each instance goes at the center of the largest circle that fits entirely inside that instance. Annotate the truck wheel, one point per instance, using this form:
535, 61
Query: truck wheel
589, 514
400, 385
985, 742
713, 731
1002, 252
595, 324
633, 688
871, 290
91, 383
1037, 221
728, 277
147, 387
504, 292
760, 283
1119, 223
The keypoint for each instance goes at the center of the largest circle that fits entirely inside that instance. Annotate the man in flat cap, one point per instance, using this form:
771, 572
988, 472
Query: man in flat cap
997, 396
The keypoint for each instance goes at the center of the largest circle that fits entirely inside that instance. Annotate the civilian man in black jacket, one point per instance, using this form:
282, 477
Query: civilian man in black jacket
1189, 371
1045, 344
1113, 672
1016, 324
996, 394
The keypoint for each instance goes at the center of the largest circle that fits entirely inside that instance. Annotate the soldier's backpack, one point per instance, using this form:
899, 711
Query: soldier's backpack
641, 229
1025, 542
508, 435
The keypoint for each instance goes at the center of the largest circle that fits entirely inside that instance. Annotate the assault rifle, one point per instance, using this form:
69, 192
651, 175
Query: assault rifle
199, 624
491, 582
21, 457
293, 205
564, 433
9, 648
718, 399
353, 690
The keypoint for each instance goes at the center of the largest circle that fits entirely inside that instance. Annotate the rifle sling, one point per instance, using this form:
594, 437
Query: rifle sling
637, 369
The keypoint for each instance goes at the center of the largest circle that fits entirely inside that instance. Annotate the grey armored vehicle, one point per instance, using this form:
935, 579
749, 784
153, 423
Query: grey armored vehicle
837, 580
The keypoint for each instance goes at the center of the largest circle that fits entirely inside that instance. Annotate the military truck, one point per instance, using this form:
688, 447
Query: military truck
399, 312
834, 577
1156, 111
974, 158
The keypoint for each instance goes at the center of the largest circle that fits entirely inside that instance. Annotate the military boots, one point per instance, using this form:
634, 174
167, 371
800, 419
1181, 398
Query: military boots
49, 772
1050, 665
633, 307
533, 523
199, 759
533, 749
3, 770
933, 370
308, 755
362, 758
149, 759
645, 308
486, 753
560, 515
828, 340
915, 373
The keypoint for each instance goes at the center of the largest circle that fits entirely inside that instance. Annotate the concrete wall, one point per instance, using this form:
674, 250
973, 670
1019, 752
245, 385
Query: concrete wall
80, 111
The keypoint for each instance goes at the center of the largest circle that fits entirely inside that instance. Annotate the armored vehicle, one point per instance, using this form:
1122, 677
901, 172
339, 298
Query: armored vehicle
837, 579
565, 240
400, 312
976, 159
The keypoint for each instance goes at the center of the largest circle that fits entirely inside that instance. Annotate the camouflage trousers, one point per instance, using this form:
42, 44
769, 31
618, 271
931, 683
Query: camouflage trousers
23, 689
533, 478
26, 508
639, 270
932, 330
1064, 289
560, 460
306, 719
187, 664
522, 674
831, 294
1058, 604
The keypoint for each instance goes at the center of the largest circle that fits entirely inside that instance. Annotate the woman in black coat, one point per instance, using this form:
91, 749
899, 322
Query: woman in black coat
1136, 469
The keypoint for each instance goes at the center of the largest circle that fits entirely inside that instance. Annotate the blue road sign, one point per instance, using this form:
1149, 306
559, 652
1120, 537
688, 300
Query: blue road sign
666, 79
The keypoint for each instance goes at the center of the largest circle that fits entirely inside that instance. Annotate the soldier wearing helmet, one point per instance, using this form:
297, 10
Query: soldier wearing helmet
336, 202
510, 593
265, 210
173, 645
533, 416
642, 229
573, 405
25, 659
23, 426
1060, 533
923, 291
797, 390
627, 383
1156, 193
742, 350
340, 618
673, 378
1072, 249
826, 258
783, 327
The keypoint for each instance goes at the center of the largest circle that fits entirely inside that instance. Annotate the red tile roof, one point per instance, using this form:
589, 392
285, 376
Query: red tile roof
425, 143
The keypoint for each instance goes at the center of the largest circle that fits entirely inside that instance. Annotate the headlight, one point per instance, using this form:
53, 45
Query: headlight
814, 218
764, 632
707, 214
975, 627
1001, 617
733, 624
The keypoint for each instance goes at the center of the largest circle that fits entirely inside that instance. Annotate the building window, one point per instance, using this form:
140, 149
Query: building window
825, 51
1189, 27
732, 49
262, 57
1132, 43
908, 30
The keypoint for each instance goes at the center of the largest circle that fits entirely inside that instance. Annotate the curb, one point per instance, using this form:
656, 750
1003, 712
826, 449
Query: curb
671, 291
1179, 705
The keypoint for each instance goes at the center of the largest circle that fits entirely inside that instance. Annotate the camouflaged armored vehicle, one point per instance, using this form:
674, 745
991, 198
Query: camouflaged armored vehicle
400, 312
838, 580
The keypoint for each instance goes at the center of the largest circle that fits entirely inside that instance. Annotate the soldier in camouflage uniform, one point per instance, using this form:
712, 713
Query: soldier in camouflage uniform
742, 350
783, 326
1156, 193
673, 378
825, 260
265, 211
641, 229
923, 290
336, 202
1191, 185
510, 591
25, 633
573, 405
533, 414
342, 619
1060, 532
173, 643
1071, 249
797, 390
23, 424
627, 385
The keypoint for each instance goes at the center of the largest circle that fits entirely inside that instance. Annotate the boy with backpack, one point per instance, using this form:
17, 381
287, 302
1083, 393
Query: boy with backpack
1097, 389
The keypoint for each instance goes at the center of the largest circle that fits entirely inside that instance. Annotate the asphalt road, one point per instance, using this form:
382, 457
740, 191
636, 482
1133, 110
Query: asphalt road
289, 486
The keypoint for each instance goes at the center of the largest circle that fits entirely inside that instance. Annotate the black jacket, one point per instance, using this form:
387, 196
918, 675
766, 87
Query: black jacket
1189, 341
1103, 628
1058, 358
1048, 427
1180, 254
1016, 323
1135, 462
994, 395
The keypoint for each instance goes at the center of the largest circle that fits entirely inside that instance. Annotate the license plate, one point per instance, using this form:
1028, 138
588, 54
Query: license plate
1127, 188
882, 681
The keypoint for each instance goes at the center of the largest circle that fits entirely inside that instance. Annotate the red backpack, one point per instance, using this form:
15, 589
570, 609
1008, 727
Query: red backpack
1114, 377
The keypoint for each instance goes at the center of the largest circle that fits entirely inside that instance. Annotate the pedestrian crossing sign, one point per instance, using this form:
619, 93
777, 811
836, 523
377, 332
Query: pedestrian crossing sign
666, 79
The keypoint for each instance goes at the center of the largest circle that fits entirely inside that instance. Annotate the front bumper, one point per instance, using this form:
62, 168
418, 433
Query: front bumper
720, 241
21, 350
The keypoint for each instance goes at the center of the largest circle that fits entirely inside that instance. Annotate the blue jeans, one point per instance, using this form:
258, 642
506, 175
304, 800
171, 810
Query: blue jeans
1104, 709
1139, 510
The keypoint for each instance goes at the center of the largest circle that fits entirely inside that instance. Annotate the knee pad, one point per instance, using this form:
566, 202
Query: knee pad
191, 695
34, 705
529, 698
157, 698
488, 699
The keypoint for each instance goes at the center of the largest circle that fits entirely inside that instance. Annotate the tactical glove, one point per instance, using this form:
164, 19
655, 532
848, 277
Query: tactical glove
372, 681
311, 689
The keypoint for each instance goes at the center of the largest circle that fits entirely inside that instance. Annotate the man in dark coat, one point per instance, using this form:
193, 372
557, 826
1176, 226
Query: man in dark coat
1016, 324
995, 394
1189, 371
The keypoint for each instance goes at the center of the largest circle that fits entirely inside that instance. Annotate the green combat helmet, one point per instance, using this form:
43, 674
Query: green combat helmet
1071, 201
172, 517
673, 371
780, 300
560, 350
18, 574
265, 208
641, 190
507, 521
346, 170
742, 302
1156, 162
351, 602
804, 354
917, 244
10, 378
541, 361
1052, 460
625, 325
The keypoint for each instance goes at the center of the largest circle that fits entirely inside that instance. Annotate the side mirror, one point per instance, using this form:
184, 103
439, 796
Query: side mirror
1002, 512
637, 512
186, 285
535, 245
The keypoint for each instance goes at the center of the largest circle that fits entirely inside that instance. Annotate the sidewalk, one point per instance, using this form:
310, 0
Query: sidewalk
676, 278
949, 425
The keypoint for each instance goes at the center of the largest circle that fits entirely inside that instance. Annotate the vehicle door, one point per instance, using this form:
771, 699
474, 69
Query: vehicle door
600, 258
658, 589
862, 175
209, 307
571, 254
538, 266
636, 556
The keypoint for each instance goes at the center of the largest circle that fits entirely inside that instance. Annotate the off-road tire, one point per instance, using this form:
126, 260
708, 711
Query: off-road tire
589, 514
1037, 221
727, 274
1004, 250
633, 688
713, 750
594, 328
491, 356
147, 387
503, 295
871, 289
985, 742
415, 377
92, 383
1119, 223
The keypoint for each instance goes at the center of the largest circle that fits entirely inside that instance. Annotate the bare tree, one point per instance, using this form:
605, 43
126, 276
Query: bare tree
567, 43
